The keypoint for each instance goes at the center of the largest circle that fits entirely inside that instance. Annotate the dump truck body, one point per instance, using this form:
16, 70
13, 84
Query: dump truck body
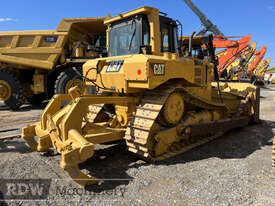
34, 49
35, 59
161, 102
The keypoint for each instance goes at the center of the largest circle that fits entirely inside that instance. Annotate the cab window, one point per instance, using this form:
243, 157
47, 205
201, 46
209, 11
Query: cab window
145, 32
168, 31
165, 40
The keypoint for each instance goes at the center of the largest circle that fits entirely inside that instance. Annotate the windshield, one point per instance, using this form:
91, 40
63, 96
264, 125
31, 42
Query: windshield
124, 38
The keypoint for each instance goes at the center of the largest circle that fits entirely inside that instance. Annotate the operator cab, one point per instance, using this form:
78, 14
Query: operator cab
201, 47
132, 36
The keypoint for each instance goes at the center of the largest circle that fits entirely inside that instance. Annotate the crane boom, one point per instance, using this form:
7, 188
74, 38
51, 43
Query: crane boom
209, 26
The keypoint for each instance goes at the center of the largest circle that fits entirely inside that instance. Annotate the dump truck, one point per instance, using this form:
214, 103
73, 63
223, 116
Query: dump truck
36, 64
160, 101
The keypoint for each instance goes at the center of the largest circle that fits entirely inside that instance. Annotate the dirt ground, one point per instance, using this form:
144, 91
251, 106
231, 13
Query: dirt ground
232, 170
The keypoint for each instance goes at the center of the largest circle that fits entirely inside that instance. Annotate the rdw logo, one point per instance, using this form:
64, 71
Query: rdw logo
24, 189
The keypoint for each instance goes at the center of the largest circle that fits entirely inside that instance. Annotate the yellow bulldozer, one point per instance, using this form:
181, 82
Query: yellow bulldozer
160, 100
36, 64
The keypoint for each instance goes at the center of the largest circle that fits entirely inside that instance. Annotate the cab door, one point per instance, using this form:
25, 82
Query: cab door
168, 31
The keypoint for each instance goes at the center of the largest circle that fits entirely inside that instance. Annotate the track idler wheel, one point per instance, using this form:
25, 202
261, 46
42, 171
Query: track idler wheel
173, 110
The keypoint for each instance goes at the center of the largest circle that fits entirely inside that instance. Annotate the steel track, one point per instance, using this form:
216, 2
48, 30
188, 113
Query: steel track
138, 131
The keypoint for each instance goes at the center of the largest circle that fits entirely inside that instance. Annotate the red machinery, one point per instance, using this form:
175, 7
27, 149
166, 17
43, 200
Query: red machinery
233, 51
258, 56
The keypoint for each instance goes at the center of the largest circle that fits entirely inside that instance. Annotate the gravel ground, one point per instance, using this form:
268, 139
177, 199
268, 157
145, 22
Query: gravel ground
12, 122
232, 170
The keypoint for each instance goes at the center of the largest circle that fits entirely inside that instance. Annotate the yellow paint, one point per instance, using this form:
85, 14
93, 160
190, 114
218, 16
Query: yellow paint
5, 90
42, 51
70, 131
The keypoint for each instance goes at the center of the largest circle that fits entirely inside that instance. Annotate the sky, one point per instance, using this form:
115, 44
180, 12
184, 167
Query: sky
233, 18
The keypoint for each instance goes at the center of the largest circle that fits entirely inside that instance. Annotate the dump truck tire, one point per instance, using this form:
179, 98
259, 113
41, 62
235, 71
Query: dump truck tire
37, 99
65, 80
17, 96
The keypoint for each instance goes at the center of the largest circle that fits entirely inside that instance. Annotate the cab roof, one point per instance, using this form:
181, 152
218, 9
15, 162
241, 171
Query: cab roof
141, 10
